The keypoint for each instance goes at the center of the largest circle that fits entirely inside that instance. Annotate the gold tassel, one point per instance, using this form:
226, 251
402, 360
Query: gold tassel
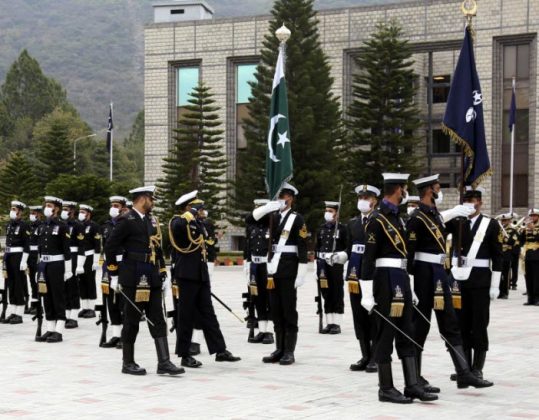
457, 302
438, 303
396, 309
271, 283
324, 283
176, 291
105, 288
253, 289
42, 288
353, 287
142, 295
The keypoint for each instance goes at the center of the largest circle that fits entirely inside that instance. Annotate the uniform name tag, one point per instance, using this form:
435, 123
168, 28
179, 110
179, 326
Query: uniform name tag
56, 230
17, 229
70, 230
87, 229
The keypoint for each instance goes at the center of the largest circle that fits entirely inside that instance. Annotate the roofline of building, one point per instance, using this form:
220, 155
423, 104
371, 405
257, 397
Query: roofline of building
202, 3
267, 17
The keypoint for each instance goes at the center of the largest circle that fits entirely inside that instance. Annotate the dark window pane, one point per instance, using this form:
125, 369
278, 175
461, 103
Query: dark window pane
440, 88
441, 143
509, 61
523, 61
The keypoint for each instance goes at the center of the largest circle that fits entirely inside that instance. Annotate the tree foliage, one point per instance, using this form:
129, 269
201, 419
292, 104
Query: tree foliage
18, 181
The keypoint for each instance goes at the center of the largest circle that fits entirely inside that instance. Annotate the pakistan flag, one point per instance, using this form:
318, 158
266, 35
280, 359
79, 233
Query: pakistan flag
279, 154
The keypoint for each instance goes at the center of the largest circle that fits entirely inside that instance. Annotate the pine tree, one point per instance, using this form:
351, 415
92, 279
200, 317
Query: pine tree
196, 159
134, 147
382, 117
313, 114
19, 181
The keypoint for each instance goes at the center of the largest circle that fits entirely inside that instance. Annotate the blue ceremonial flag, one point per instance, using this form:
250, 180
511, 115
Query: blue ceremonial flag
463, 119
513, 110
110, 127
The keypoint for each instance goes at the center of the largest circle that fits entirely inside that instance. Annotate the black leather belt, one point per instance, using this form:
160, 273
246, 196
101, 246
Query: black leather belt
139, 256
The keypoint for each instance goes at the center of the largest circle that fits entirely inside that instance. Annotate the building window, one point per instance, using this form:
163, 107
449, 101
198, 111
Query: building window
187, 80
441, 143
245, 75
516, 63
440, 88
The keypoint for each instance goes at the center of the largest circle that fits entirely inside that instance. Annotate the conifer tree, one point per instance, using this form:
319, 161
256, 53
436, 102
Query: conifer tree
18, 181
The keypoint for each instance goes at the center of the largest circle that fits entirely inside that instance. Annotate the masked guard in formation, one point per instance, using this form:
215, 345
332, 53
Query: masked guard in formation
478, 276
530, 242
330, 250
72, 293
188, 238
510, 241
89, 243
287, 267
142, 278
54, 269
255, 256
36, 219
112, 299
431, 288
364, 323
16, 256
515, 255
386, 289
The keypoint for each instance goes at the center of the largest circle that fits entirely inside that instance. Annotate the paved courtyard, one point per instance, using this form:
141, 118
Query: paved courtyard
78, 380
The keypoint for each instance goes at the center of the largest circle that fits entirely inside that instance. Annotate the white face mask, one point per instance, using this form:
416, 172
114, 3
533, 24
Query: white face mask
206, 214
64, 215
410, 210
328, 216
48, 212
404, 198
282, 204
438, 200
364, 206
82, 217
114, 212
12, 214
33, 218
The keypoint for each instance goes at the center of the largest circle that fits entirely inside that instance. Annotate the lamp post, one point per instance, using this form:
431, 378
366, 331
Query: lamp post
75, 149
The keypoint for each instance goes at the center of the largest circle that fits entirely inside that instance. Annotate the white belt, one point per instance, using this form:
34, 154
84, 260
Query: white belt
431, 258
14, 249
34, 248
88, 253
74, 248
259, 260
324, 255
479, 263
391, 263
119, 258
285, 249
358, 249
52, 258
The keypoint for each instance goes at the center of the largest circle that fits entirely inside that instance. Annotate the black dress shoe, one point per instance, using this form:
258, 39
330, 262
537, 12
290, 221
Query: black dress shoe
335, 329
226, 356
427, 386
169, 368
27, 310
467, 379
504, 296
417, 391
257, 338
371, 367
394, 396
190, 362
90, 313
273, 357
8, 319
287, 359
43, 338
32, 310
71, 323
55, 337
131, 368
514, 287
119, 344
360, 365
113, 342
326, 329
82, 312
268, 338
17, 319
194, 349
528, 304
453, 377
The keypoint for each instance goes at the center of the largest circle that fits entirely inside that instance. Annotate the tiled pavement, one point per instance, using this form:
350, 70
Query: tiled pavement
78, 380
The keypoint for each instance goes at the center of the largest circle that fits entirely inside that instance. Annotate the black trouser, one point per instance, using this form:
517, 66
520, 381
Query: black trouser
474, 318
262, 300
32, 270
283, 300
364, 324
447, 321
515, 259
386, 334
195, 305
87, 280
153, 310
54, 300
532, 280
16, 279
114, 305
72, 294
334, 294
506, 271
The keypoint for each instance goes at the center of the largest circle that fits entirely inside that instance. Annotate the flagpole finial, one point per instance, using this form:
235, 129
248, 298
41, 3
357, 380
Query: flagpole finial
469, 9
283, 34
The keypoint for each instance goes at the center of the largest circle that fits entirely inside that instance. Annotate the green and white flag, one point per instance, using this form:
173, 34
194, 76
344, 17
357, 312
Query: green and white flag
279, 167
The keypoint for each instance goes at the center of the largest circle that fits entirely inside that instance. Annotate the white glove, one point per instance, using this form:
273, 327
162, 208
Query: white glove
211, 269
339, 257
95, 264
166, 286
457, 211
67, 270
415, 300
300, 277
367, 298
114, 285
81, 259
24, 262
269, 207
494, 290
2, 281
247, 271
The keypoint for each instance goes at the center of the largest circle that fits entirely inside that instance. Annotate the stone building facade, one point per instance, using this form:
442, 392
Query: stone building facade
219, 50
